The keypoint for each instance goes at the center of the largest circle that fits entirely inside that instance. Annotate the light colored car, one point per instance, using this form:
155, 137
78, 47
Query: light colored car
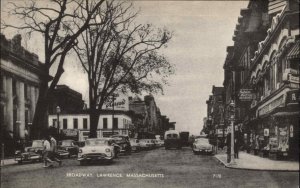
146, 144
159, 142
135, 145
202, 145
97, 149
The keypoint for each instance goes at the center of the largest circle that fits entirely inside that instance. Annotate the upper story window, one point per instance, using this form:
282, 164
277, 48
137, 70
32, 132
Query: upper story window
75, 123
85, 123
104, 123
65, 123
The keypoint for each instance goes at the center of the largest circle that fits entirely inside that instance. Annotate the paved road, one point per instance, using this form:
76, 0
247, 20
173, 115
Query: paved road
172, 168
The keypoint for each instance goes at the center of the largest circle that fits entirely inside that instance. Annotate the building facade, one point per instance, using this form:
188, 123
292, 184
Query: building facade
21, 74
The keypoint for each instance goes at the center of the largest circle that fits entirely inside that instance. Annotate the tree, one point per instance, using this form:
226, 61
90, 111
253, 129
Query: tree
120, 55
55, 23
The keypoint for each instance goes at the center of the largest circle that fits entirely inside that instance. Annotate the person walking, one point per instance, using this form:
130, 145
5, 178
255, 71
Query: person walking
53, 145
228, 143
47, 153
236, 145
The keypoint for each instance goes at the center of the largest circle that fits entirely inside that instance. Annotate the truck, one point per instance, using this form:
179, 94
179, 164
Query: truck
184, 137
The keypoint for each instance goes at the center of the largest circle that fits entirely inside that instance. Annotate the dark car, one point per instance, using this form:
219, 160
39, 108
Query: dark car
31, 154
124, 143
70, 146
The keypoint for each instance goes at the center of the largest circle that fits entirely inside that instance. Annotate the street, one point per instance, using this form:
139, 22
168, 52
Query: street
154, 168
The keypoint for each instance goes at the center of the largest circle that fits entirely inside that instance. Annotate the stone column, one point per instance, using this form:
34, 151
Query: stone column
9, 104
33, 101
21, 110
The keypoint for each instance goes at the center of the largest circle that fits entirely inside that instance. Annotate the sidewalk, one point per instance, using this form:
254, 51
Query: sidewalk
252, 162
6, 162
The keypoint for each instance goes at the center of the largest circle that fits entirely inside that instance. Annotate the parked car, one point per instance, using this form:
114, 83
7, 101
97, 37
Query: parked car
202, 145
135, 145
172, 139
146, 144
70, 146
31, 154
96, 149
124, 143
159, 143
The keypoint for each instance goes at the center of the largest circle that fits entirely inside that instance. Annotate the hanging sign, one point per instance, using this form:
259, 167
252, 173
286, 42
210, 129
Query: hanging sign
266, 132
291, 131
246, 95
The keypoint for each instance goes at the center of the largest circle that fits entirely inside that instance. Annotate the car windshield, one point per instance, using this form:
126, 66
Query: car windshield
202, 140
96, 142
67, 143
37, 143
172, 136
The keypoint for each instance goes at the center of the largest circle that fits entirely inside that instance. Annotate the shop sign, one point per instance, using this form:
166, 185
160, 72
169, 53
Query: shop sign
70, 132
246, 94
293, 97
293, 79
271, 106
266, 132
291, 131
282, 131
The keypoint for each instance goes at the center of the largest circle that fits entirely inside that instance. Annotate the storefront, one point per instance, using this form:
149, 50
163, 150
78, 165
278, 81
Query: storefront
275, 132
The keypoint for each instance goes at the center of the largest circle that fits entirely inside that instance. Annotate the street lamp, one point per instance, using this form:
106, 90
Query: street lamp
57, 112
232, 116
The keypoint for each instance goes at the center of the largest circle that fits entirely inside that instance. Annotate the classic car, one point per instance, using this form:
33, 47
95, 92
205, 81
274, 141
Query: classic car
135, 145
202, 145
123, 142
96, 149
31, 154
147, 144
159, 142
70, 146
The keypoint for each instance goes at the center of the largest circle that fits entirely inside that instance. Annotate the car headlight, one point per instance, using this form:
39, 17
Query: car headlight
107, 150
80, 151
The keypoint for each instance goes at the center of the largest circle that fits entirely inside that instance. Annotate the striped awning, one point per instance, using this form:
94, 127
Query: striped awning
294, 53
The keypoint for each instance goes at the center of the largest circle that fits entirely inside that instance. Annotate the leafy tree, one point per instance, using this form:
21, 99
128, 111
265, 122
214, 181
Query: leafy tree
55, 20
121, 56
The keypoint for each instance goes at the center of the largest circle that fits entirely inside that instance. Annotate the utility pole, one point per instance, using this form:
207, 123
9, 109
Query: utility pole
232, 116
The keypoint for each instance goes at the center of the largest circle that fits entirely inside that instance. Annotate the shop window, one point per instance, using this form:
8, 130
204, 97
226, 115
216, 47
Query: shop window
75, 123
65, 123
104, 123
84, 123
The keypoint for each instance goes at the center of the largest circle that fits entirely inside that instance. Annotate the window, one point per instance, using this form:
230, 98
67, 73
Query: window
25, 91
75, 123
14, 87
65, 123
84, 123
115, 123
54, 122
104, 123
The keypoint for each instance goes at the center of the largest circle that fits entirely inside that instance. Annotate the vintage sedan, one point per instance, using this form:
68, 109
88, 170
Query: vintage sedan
70, 146
135, 145
147, 144
202, 145
31, 154
123, 142
97, 149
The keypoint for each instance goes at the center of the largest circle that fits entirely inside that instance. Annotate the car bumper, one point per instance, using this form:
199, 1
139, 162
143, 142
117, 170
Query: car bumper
20, 158
202, 150
94, 158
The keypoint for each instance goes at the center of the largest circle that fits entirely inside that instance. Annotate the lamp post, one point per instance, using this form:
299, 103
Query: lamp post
232, 116
57, 112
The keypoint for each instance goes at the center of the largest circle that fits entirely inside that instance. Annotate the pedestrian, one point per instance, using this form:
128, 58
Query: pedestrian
46, 153
236, 145
54, 155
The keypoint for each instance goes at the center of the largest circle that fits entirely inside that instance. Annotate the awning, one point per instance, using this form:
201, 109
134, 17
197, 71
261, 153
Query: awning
279, 114
294, 52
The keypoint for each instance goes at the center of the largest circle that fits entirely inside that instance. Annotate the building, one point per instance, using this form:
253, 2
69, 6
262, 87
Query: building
80, 122
261, 77
21, 75
69, 100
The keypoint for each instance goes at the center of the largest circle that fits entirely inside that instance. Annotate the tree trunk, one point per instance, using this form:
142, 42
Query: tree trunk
94, 118
40, 120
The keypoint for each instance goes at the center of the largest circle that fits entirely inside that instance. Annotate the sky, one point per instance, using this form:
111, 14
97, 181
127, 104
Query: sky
202, 31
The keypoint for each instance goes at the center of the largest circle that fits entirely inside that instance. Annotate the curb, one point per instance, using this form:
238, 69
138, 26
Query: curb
253, 169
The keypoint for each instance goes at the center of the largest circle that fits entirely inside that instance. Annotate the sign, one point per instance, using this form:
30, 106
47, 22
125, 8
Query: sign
70, 132
266, 132
271, 106
246, 95
293, 97
293, 79
120, 102
291, 131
